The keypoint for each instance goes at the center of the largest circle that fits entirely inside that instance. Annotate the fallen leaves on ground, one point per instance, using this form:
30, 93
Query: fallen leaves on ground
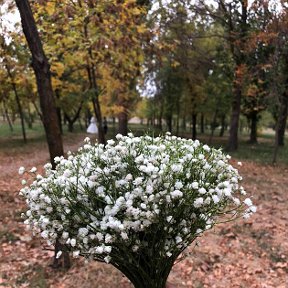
251, 253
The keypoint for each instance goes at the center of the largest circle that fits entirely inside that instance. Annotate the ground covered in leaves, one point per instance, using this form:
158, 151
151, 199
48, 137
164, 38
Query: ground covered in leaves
251, 253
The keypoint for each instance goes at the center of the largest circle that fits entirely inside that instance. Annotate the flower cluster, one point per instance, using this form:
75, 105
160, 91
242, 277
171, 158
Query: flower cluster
134, 196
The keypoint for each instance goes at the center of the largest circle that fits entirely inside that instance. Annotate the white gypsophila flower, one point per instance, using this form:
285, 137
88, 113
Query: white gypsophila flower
207, 201
178, 239
198, 202
178, 185
248, 202
59, 253
48, 166
206, 148
202, 190
21, 170
76, 253
215, 198
169, 218
176, 194
107, 259
45, 234
253, 209
72, 242
195, 185
33, 170
199, 231
104, 200
176, 168
87, 140
169, 254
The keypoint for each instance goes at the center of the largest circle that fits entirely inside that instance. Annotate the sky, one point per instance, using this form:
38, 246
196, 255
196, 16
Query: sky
8, 20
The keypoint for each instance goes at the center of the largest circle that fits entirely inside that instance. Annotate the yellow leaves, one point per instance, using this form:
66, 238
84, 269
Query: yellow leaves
109, 110
110, 39
175, 64
70, 59
252, 90
129, 2
141, 58
56, 83
50, 8
58, 68
142, 29
137, 11
108, 81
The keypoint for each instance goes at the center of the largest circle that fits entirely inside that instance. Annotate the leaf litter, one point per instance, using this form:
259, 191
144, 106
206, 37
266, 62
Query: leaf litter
246, 253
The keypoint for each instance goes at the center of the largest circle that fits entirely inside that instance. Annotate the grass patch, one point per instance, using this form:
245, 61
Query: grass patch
261, 152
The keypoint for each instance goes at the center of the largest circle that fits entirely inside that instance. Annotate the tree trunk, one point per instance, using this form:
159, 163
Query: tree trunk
213, 126
20, 112
41, 68
184, 123
160, 117
177, 123
237, 47
234, 122
253, 127
123, 123
194, 126
70, 126
30, 118
276, 145
57, 93
93, 85
223, 125
38, 111
80, 124
70, 120
97, 111
42, 72
169, 123
114, 124
17, 99
160, 123
283, 118
7, 116
202, 128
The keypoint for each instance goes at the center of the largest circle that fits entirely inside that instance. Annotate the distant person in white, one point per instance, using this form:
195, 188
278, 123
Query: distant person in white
92, 128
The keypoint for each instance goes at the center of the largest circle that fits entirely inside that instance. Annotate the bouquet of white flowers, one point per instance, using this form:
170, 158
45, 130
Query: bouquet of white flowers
136, 203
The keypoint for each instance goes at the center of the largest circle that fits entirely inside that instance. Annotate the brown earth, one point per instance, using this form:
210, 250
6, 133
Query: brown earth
251, 253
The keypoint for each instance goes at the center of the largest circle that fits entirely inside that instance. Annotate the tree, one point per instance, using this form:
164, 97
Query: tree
41, 68
233, 16
4, 97
218, 89
256, 85
182, 50
102, 44
42, 72
281, 52
256, 90
7, 62
280, 80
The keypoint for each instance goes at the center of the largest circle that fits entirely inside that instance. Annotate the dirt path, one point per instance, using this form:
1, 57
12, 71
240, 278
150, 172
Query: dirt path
240, 254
